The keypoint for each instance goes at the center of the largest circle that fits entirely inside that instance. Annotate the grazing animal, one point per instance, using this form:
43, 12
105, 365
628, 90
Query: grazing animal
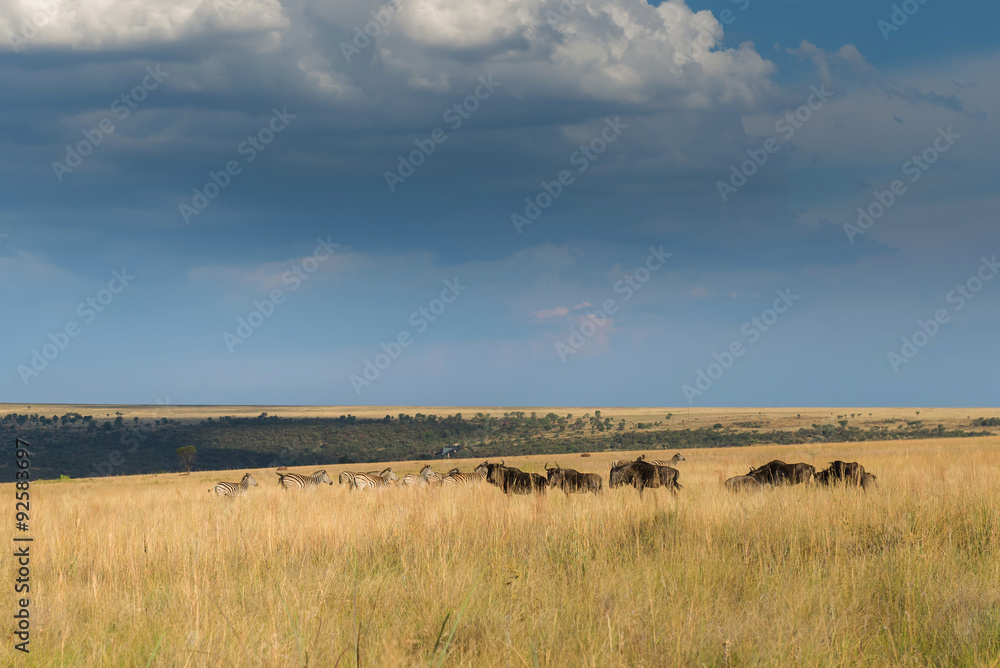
850, 473
868, 480
282, 468
456, 478
373, 479
234, 488
777, 472
570, 481
641, 474
422, 479
296, 481
586, 454
514, 481
670, 462
742, 483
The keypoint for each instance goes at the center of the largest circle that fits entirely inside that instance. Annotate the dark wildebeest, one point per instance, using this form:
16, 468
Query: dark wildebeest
742, 483
851, 473
514, 481
641, 474
570, 481
777, 472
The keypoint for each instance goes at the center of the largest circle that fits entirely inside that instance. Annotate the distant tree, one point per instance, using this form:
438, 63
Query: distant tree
187, 454
107, 426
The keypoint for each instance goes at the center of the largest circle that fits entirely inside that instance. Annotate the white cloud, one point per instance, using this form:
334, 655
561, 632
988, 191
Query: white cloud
109, 24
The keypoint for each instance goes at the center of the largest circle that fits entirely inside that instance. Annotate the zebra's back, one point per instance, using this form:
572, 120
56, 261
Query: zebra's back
368, 481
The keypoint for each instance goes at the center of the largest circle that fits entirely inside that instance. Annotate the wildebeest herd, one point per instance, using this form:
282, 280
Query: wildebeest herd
777, 472
638, 473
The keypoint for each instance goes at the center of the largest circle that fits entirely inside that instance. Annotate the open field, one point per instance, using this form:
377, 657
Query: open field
693, 418
153, 569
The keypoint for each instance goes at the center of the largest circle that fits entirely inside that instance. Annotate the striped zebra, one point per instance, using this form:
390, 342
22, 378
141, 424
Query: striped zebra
456, 478
370, 481
427, 476
296, 481
626, 462
346, 477
234, 488
670, 462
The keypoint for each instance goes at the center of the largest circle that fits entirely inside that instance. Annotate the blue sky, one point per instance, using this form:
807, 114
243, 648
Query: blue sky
652, 116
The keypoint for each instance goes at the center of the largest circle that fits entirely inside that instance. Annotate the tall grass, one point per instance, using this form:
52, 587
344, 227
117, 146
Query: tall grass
155, 571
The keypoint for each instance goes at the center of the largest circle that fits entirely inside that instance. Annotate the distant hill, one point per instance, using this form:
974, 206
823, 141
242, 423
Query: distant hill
82, 445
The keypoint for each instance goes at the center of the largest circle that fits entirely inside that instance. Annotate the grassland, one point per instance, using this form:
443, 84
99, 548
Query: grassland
152, 570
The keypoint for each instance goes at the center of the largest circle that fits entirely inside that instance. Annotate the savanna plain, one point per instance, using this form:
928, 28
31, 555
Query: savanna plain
154, 570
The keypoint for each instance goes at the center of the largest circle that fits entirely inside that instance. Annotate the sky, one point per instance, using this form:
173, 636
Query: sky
505, 202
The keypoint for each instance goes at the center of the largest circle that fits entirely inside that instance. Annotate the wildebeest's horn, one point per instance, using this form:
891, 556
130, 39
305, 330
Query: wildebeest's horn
546, 466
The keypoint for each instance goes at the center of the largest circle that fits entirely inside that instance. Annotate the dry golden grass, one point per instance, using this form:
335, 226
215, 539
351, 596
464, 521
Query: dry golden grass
152, 570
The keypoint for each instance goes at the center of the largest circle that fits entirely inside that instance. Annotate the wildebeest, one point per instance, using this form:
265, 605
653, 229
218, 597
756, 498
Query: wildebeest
641, 474
570, 481
777, 472
514, 481
742, 483
868, 480
850, 473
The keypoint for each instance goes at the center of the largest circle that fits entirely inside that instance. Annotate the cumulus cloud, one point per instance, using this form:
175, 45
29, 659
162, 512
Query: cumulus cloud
101, 25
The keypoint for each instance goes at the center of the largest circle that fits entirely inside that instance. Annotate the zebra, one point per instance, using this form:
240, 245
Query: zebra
456, 478
625, 462
346, 477
368, 480
234, 488
296, 481
670, 462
